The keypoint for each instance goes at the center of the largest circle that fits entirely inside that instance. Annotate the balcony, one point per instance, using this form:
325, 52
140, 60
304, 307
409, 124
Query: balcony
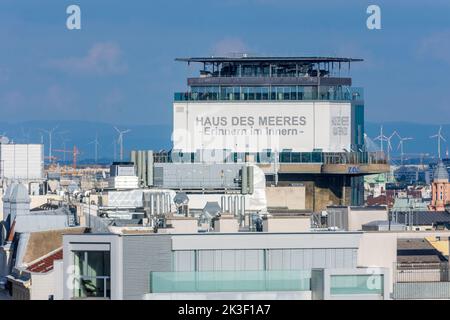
422, 281
316, 284
230, 281
356, 285
268, 157
291, 93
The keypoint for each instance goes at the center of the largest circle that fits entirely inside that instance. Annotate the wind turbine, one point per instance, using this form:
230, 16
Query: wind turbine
63, 140
96, 144
439, 137
401, 144
389, 144
25, 135
120, 140
382, 138
50, 136
115, 149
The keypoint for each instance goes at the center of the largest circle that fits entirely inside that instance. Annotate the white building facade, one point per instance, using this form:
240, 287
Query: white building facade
24, 162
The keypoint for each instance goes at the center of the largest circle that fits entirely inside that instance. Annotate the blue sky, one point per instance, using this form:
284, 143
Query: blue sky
120, 67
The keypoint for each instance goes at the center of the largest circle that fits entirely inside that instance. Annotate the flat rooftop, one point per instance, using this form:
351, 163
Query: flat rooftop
253, 59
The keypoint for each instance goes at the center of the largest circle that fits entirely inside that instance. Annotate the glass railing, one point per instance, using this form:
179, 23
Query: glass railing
280, 157
230, 281
346, 95
92, 287
356, 284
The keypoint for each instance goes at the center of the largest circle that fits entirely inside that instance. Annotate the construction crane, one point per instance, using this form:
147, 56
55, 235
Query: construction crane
75, 152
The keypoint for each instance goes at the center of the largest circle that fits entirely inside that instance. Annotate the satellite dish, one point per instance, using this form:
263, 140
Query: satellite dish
212, 209
4, 140
181, 199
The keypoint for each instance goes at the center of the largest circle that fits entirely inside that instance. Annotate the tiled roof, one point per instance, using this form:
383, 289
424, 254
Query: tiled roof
417, 251
46, 263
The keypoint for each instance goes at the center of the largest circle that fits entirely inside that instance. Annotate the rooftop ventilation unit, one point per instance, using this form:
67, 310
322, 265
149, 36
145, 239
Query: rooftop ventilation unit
181, 200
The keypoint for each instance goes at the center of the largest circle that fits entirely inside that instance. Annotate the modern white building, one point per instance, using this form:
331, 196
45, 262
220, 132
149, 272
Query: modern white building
24, 162
255, 104
123, 176
298, 118
252, 265
261, 265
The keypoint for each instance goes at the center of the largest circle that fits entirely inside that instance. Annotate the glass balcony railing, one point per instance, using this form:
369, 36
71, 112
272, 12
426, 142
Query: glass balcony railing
176, 156
238, 94
356, 284
92, 287
230, 281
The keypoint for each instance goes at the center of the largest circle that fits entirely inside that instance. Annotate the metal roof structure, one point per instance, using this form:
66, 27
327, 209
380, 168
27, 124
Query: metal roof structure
441, 173
417, 251
424, 218
244, 58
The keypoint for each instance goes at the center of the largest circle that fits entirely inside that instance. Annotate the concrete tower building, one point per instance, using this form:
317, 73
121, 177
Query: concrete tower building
298, 118
19, 201
440, 194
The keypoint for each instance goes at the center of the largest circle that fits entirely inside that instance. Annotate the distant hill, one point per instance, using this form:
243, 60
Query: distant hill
80, 133
157, 137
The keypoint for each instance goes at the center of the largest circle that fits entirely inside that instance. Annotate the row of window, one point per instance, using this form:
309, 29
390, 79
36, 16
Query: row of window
270, 93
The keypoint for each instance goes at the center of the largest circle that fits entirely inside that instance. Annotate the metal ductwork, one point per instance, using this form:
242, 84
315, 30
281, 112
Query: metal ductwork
143, 162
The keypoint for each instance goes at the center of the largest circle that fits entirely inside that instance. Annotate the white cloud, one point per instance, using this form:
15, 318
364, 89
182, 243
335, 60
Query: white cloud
229, 47
52, 102
436, 46
102, 59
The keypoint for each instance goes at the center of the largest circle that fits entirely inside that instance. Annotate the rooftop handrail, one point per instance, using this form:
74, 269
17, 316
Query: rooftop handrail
326, 158
230, 281
271, 95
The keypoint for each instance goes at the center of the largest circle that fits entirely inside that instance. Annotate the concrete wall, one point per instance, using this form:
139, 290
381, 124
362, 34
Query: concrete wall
378, 249
58, 274
141, 255
290, 197
183, 225
226, 224
359, 217
287, 224
321, 190
353, 218
42, 285
90, 242
260, 240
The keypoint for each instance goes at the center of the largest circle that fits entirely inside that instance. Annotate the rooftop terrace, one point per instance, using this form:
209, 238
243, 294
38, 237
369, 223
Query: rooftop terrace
252, 59
269, 67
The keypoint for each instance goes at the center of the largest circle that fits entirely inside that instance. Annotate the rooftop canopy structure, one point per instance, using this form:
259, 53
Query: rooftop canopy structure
251, 66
